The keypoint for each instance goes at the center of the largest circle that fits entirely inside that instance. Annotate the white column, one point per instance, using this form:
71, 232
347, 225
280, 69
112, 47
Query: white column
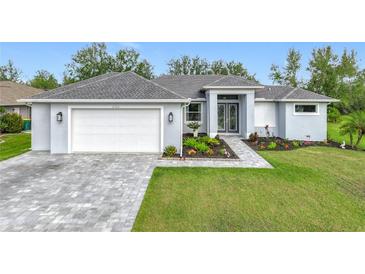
212, 113
248, 114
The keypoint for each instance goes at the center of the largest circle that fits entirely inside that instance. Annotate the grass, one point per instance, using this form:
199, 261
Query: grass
14, 144
334, 134
310, 189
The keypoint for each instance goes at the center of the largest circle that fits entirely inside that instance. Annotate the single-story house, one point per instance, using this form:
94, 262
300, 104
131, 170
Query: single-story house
10, 92
124, 112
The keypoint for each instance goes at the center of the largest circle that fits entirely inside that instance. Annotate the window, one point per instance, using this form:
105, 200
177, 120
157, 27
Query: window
227, 97
194, 113
305, 109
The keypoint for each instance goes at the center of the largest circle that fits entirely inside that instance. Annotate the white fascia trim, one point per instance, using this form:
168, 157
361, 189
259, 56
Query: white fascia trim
298, 100
103, 100
233, 87
199, 100
231, 91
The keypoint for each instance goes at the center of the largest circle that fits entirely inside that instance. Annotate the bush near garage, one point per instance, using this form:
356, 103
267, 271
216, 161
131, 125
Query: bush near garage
11, 123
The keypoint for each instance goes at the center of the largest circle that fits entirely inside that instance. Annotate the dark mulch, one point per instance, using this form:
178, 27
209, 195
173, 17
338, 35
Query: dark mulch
200, 155
282, 144
216, 154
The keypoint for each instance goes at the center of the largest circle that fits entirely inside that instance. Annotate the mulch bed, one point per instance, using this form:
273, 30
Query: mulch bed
281, 144
216, 154
199, 155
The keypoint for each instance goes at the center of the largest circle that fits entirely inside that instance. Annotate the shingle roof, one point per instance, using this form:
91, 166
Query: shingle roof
10, 92
287, 92
127, 85
191, 86
233, 81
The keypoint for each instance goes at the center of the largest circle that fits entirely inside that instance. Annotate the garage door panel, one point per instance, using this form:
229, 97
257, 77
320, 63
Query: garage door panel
116, 130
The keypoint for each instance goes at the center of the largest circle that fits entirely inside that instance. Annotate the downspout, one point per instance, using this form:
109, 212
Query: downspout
182, 125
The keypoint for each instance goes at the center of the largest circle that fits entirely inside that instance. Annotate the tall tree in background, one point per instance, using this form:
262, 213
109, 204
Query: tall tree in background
44, 80
9, 72
288, 75
186, 65
338, 77
95, 60
323, 71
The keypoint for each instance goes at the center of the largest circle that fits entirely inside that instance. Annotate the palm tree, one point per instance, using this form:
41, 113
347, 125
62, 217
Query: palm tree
354, 124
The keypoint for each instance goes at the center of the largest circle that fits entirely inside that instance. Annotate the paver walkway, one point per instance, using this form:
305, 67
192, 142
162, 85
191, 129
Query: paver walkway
72, 192
248, 157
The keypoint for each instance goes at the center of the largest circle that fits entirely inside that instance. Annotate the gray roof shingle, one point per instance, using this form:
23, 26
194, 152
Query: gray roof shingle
287, 92
127, 85
10, 92
191, 86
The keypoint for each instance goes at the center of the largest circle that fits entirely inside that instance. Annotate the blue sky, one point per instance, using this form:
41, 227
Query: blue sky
257, 57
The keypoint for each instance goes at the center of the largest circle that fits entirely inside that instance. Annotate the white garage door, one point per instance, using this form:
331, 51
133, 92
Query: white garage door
116, 130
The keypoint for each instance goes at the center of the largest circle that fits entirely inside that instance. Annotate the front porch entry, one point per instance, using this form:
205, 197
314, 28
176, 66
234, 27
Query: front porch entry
230, 111
228, 116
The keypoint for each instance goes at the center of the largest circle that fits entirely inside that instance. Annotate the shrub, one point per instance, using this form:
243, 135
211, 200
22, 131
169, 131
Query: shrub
201, 147
190, 142
222, 152
191, 151
193, 125
253, 137
272, 145
209, 141
295, 144
333, 115
170, 151
11, 123
209, 152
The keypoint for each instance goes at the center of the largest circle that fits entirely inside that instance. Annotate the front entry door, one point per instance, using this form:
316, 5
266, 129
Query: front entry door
228, 117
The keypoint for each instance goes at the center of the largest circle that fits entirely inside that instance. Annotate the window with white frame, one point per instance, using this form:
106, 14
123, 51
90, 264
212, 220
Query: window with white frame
193, 112
306, 108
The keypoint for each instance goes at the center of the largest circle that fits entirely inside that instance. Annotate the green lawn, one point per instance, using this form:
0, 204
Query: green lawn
14, 144
310, 189
334, 134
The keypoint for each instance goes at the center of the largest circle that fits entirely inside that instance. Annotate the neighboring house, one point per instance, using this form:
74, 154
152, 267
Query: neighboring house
10, 92
124, 112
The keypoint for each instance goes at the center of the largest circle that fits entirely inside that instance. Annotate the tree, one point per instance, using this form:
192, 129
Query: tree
238, 69
354, 124
219, 67
9, 72
94, 60
44, 80
288, 74
338, 77
186, 65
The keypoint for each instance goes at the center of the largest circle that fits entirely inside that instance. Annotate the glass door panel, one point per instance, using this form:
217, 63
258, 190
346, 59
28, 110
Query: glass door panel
233, 117
221, 117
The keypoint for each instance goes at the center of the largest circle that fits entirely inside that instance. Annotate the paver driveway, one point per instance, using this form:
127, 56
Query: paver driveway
72, 192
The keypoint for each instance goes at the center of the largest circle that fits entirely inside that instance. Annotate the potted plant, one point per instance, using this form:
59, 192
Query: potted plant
195, 127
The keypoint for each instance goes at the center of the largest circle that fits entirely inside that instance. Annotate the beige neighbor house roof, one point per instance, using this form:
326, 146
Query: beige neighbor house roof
10, 92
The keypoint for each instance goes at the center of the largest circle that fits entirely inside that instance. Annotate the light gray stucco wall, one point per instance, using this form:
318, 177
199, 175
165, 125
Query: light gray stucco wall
172, 135
247, 105
41, 127
59, 130
299, 126
203, 127
212, 130
281, 109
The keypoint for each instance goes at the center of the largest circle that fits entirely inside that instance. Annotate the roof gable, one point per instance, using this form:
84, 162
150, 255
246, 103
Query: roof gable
127, 85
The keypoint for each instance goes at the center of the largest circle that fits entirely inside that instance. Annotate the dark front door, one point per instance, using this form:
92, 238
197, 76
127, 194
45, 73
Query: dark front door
228, 117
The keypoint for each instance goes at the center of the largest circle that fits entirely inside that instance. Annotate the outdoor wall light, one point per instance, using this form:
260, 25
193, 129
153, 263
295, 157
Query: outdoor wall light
171, 117
59, 117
